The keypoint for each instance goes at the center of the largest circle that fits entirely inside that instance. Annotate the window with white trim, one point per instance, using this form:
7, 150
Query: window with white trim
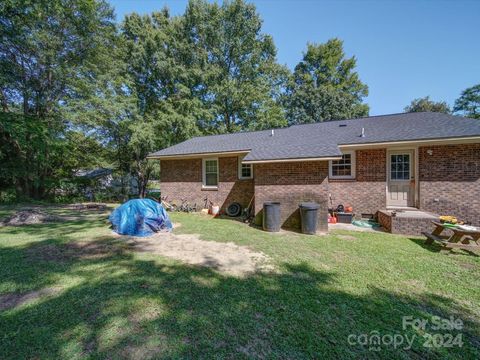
343, 168
210, 173
245, 171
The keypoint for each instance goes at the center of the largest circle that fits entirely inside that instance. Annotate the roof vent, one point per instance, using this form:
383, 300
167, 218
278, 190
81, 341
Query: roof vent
342, 125
273, 132
363, 132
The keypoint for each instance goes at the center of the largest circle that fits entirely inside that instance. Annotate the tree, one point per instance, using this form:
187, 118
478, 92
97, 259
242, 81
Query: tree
425, 104
48, 50
468, 104
156, 59
237, 77
210, 70
325, 86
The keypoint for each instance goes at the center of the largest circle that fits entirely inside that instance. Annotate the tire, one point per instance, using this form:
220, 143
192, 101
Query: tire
234, 209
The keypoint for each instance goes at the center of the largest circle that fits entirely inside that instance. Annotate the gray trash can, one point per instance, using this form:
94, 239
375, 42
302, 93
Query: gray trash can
309, 217
271, 216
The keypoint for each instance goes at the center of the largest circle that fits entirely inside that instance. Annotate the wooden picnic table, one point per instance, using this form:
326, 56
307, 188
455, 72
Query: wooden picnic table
459, 238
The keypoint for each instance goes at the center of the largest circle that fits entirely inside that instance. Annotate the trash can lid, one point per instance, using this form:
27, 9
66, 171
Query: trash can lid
267, 203
310, 205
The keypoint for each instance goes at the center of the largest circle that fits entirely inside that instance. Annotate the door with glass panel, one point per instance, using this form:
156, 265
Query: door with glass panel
401, 179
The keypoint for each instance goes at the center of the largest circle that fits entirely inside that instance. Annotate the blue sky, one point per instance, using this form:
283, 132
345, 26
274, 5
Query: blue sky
404, 49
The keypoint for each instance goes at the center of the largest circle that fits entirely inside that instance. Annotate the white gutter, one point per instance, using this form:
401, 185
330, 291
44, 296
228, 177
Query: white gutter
197, 155
459, 140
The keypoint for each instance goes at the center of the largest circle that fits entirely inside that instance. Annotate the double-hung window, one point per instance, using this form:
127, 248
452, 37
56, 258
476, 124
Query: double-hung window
210, 173
245, 171
343, 168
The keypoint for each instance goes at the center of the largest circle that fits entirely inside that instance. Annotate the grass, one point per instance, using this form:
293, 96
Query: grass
78, 293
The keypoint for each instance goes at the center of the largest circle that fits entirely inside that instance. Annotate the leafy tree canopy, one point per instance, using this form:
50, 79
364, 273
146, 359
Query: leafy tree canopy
468, 104
425, 104
239, 80
47, 48
325, 86
77, 90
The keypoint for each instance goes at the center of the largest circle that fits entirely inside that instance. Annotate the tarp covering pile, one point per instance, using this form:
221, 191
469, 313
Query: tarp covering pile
140, 217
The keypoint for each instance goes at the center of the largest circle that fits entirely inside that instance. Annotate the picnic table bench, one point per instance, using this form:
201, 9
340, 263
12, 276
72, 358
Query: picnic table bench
459, 238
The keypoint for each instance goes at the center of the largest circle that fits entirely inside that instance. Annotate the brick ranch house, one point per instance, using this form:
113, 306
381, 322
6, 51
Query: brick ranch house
413, 161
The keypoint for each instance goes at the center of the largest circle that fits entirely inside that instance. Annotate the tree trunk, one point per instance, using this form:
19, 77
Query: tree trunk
142, 180
142, 186
3, 100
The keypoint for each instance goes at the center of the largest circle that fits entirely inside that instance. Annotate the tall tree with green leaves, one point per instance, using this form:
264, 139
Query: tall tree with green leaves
325, 86
47, 47
157, 66
425, 104
468, 104
237, 76
210, 70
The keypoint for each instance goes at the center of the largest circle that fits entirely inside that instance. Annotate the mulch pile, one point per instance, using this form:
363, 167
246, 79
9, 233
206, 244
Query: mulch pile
29, 217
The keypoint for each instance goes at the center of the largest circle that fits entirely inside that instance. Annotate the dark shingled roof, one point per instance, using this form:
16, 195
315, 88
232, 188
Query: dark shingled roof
321, 140
93, 173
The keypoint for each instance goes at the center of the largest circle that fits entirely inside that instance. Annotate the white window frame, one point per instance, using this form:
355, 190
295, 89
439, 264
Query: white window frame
240, 163
353, 160
204, 173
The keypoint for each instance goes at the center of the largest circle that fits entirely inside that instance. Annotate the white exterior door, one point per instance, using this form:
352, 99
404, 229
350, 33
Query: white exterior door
401, 178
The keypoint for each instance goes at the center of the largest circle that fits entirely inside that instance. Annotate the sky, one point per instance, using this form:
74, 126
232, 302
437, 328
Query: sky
404, 49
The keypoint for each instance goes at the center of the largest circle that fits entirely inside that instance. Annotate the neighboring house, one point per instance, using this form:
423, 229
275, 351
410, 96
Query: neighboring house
427, 161
103, 179
102, 175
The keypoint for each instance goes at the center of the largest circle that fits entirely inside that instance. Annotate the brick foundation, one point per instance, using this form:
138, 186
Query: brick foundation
385, 220
404, 224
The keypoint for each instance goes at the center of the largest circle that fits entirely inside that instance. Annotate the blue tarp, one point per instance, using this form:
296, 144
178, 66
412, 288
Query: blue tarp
140, 217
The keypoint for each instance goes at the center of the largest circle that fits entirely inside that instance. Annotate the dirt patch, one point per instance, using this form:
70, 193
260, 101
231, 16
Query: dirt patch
29, 217
466, 265
417, 284
224, 257
152, 347
12, 300
347, 237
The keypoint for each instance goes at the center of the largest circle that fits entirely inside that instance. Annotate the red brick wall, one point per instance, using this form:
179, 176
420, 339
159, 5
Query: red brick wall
183, 179
450, 180
291, 183
366, 194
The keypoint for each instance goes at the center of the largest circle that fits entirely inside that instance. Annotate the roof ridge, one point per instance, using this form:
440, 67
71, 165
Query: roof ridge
367, 117
241, 132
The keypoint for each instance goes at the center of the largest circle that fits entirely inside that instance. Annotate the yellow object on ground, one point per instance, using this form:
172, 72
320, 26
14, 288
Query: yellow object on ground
449, 219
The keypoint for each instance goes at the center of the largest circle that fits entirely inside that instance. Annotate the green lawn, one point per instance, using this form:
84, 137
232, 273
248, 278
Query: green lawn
104, 301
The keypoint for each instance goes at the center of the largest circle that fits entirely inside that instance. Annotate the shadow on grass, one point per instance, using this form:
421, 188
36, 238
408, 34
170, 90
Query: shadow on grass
436, 248
55, 229
121, 306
